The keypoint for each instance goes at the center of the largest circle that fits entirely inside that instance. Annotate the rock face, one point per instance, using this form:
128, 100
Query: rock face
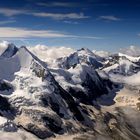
5, 86
4, 104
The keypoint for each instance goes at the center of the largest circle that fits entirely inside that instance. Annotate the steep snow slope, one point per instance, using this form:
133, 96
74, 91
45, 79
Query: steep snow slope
22, 60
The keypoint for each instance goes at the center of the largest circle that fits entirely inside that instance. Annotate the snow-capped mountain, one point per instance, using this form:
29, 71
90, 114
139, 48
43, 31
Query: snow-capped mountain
36, 92
7, 49
122, 64
74, 94
80, 56
77, 75
30, 91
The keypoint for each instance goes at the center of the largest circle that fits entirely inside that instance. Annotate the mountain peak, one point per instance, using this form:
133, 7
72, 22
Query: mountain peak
23, 61
9, 51
85, 50
79, 57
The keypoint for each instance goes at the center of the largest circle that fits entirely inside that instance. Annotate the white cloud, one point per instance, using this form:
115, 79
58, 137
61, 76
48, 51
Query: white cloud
109, 18
70, 22
131, 51
104, 54
58, 4
11, 12
60, 16
48, 54
7, 22
11, 32
86, 37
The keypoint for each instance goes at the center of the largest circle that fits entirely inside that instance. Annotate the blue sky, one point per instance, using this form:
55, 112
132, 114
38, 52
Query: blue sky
94, 24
